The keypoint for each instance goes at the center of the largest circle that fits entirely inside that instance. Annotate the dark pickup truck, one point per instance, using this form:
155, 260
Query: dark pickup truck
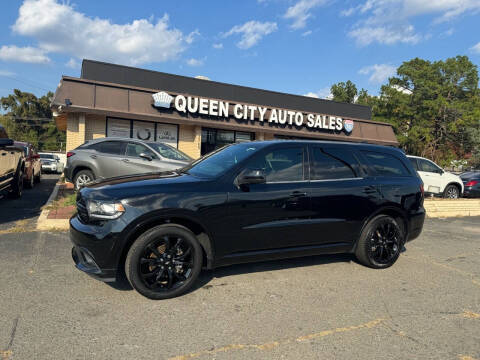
12, 166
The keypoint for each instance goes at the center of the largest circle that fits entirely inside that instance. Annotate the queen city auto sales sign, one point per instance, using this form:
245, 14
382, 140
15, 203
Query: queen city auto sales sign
220, 108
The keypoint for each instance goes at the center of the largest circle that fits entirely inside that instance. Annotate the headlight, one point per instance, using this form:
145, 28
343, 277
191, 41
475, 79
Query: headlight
104, 210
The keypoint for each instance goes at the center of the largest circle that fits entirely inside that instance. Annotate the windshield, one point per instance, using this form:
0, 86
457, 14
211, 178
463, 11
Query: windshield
221, 160
169, 152
47, 156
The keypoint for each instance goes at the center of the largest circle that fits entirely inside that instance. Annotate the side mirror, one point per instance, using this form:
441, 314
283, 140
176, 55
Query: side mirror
252, 176
440, 171
6, 142
146, 157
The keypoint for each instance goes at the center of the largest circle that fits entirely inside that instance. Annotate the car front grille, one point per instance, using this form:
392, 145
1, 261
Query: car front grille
82, 209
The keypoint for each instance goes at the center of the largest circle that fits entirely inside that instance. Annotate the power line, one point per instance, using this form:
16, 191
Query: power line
26, 82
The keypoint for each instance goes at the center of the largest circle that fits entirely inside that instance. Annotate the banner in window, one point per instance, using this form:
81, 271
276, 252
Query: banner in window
167, 134
144, 130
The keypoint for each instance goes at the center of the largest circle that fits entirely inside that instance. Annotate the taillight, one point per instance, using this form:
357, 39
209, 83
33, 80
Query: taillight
471, 183
70, 153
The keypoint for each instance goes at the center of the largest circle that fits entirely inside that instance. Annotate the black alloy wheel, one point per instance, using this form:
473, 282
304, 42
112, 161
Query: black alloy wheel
380, 243
164, 262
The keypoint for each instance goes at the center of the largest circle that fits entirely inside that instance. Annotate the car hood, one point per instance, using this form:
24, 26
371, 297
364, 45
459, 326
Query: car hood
140, 185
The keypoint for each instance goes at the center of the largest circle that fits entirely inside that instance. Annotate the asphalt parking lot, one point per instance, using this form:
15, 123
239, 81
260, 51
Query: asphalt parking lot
28, 207
427, 306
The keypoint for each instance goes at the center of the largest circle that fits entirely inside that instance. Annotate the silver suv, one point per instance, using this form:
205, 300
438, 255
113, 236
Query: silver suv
111, 157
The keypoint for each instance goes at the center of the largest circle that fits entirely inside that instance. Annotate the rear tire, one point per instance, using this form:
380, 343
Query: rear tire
380, 243
164, 262
82, 178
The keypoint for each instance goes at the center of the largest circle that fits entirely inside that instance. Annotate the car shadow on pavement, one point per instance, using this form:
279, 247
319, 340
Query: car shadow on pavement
206, 276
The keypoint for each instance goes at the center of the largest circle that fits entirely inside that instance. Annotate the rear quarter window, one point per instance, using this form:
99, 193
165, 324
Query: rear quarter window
386, 164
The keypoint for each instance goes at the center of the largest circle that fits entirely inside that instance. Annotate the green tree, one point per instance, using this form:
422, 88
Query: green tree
431, 106
344, 92
28, 118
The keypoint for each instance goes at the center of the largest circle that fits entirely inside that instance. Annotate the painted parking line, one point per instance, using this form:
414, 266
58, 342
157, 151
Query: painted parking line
273, 344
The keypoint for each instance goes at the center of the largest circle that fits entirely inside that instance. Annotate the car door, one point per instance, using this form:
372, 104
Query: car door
109, 159
139, 164
270, 215
431, 176
342, 195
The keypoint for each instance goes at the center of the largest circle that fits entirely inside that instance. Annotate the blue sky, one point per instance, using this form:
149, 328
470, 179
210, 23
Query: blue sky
294, 46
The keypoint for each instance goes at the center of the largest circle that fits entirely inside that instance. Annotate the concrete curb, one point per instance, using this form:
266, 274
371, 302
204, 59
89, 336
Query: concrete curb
444, 208
43, 223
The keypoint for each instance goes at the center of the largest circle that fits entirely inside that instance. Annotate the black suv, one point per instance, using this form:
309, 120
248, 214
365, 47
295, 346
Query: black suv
247, 202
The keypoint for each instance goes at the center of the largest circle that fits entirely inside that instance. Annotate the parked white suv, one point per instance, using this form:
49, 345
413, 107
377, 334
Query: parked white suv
436, 180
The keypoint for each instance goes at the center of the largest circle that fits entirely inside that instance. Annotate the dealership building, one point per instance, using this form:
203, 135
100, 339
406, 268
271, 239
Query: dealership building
198, 115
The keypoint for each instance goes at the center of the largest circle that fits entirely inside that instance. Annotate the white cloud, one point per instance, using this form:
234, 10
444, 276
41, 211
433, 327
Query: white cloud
6, 73
301, 12
252, 32
323, 93
218, 46
73, 64
388, 35
195, 62
388, 21
27, 54
379, 73
306, 33
59, 28
476, 48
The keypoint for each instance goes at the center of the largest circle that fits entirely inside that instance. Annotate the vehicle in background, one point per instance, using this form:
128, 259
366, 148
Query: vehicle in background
111, 157
437, 181
471, 183
33, 167
51, 163
12, 166
251, 201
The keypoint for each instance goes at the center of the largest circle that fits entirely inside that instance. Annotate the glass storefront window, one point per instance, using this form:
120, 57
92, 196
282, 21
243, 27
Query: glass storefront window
213, 139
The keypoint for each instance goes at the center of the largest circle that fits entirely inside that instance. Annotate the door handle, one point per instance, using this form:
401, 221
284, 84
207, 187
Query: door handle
93, 156
369, 190
296, 194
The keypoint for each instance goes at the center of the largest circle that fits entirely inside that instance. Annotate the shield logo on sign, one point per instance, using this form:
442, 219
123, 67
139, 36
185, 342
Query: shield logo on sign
348, 125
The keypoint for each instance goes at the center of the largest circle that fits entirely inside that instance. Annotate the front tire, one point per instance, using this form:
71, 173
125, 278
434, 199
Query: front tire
17, 186
82, 178
380, 243
164, 262
451, 192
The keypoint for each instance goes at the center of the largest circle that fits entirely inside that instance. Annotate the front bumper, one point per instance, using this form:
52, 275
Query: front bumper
92, 252
47, 167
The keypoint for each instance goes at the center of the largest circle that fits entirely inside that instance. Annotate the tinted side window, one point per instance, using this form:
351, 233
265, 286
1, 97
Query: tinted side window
110, 147
414, 163
333, 164
281, 164
428, 166
386, 164
135, 150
